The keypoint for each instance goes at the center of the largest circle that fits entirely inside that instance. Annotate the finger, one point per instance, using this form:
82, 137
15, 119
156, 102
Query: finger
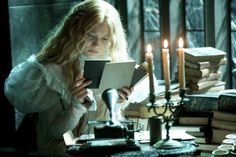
82, 84
127, 91
78, 82
85, 84
122, 96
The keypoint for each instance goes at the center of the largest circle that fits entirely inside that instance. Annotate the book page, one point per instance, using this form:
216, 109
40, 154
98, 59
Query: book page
117, 75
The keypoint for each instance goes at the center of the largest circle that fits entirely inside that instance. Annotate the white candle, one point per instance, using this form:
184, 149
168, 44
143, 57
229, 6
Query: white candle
181, 64
166, 65
149, 59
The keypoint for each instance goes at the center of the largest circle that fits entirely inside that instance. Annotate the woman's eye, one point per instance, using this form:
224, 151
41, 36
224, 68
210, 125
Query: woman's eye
91, 36
105, 39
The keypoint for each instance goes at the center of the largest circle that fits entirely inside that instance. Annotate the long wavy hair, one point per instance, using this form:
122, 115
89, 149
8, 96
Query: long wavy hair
67, 41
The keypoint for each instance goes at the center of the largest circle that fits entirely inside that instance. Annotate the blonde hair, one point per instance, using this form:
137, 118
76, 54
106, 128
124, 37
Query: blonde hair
67, 41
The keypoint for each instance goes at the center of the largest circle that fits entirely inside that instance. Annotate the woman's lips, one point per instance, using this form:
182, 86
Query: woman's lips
92, 51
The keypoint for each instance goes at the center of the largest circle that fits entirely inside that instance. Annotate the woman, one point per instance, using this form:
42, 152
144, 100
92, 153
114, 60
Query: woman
51, 82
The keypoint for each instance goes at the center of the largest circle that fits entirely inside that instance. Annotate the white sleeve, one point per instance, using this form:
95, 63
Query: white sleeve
26, 89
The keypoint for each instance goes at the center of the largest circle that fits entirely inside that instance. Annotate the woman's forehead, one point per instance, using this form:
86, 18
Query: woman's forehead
101, 29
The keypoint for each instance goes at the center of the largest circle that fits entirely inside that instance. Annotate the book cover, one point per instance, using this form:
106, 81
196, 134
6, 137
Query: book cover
224, 116
201, 102
227, 102
139, 74
202, 54
93, 71
197, 73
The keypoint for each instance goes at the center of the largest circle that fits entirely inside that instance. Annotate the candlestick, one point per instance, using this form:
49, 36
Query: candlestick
181, 64
149, 59
166, 65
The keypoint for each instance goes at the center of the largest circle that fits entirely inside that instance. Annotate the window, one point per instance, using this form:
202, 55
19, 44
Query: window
194, 20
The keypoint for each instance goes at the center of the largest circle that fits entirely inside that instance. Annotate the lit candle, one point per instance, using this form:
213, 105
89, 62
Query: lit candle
181, 64
166, 65
149, 59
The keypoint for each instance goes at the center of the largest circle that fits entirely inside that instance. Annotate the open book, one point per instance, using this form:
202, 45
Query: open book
106, 74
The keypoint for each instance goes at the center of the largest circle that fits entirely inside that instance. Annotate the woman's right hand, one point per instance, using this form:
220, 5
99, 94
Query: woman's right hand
79, 89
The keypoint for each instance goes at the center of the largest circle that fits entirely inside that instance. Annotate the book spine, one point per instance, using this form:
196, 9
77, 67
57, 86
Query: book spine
198, 73
197, 65
194, 120
225, 125
210, 77
227, 103
202, 85
224, 116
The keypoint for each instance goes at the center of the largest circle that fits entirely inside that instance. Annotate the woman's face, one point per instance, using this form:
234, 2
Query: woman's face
97, 41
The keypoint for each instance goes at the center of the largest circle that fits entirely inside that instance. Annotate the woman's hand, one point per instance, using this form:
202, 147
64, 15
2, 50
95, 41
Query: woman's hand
124, 93
78, 89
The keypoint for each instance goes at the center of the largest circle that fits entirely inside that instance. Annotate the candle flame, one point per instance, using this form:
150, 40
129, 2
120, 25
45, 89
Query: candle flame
165, 43
149, 48
181, 42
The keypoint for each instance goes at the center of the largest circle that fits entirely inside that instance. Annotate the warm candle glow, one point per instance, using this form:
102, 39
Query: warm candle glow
165, 43
166, 64
149, 48
181, 43
149, 59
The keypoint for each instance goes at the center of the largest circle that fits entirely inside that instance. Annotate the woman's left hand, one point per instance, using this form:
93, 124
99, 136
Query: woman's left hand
124, 93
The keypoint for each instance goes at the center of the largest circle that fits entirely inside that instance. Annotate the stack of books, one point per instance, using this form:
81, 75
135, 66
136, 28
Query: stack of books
202, 69
222, 124
224, 120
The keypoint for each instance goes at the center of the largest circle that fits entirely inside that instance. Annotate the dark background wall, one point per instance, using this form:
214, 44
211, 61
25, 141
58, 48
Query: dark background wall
6, 110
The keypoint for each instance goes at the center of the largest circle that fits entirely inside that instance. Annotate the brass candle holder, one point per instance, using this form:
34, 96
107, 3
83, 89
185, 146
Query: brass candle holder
167, 119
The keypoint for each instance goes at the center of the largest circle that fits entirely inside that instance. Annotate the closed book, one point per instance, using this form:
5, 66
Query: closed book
194, 120
202, 54
214, 65
221, 124
210, 77
185, 112
218, 87
201, 102
197, 73
197, 65
202, 85
218, 135
227, 102
224, 116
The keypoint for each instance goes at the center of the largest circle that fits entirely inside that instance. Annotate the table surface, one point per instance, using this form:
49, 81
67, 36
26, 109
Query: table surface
189, 149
